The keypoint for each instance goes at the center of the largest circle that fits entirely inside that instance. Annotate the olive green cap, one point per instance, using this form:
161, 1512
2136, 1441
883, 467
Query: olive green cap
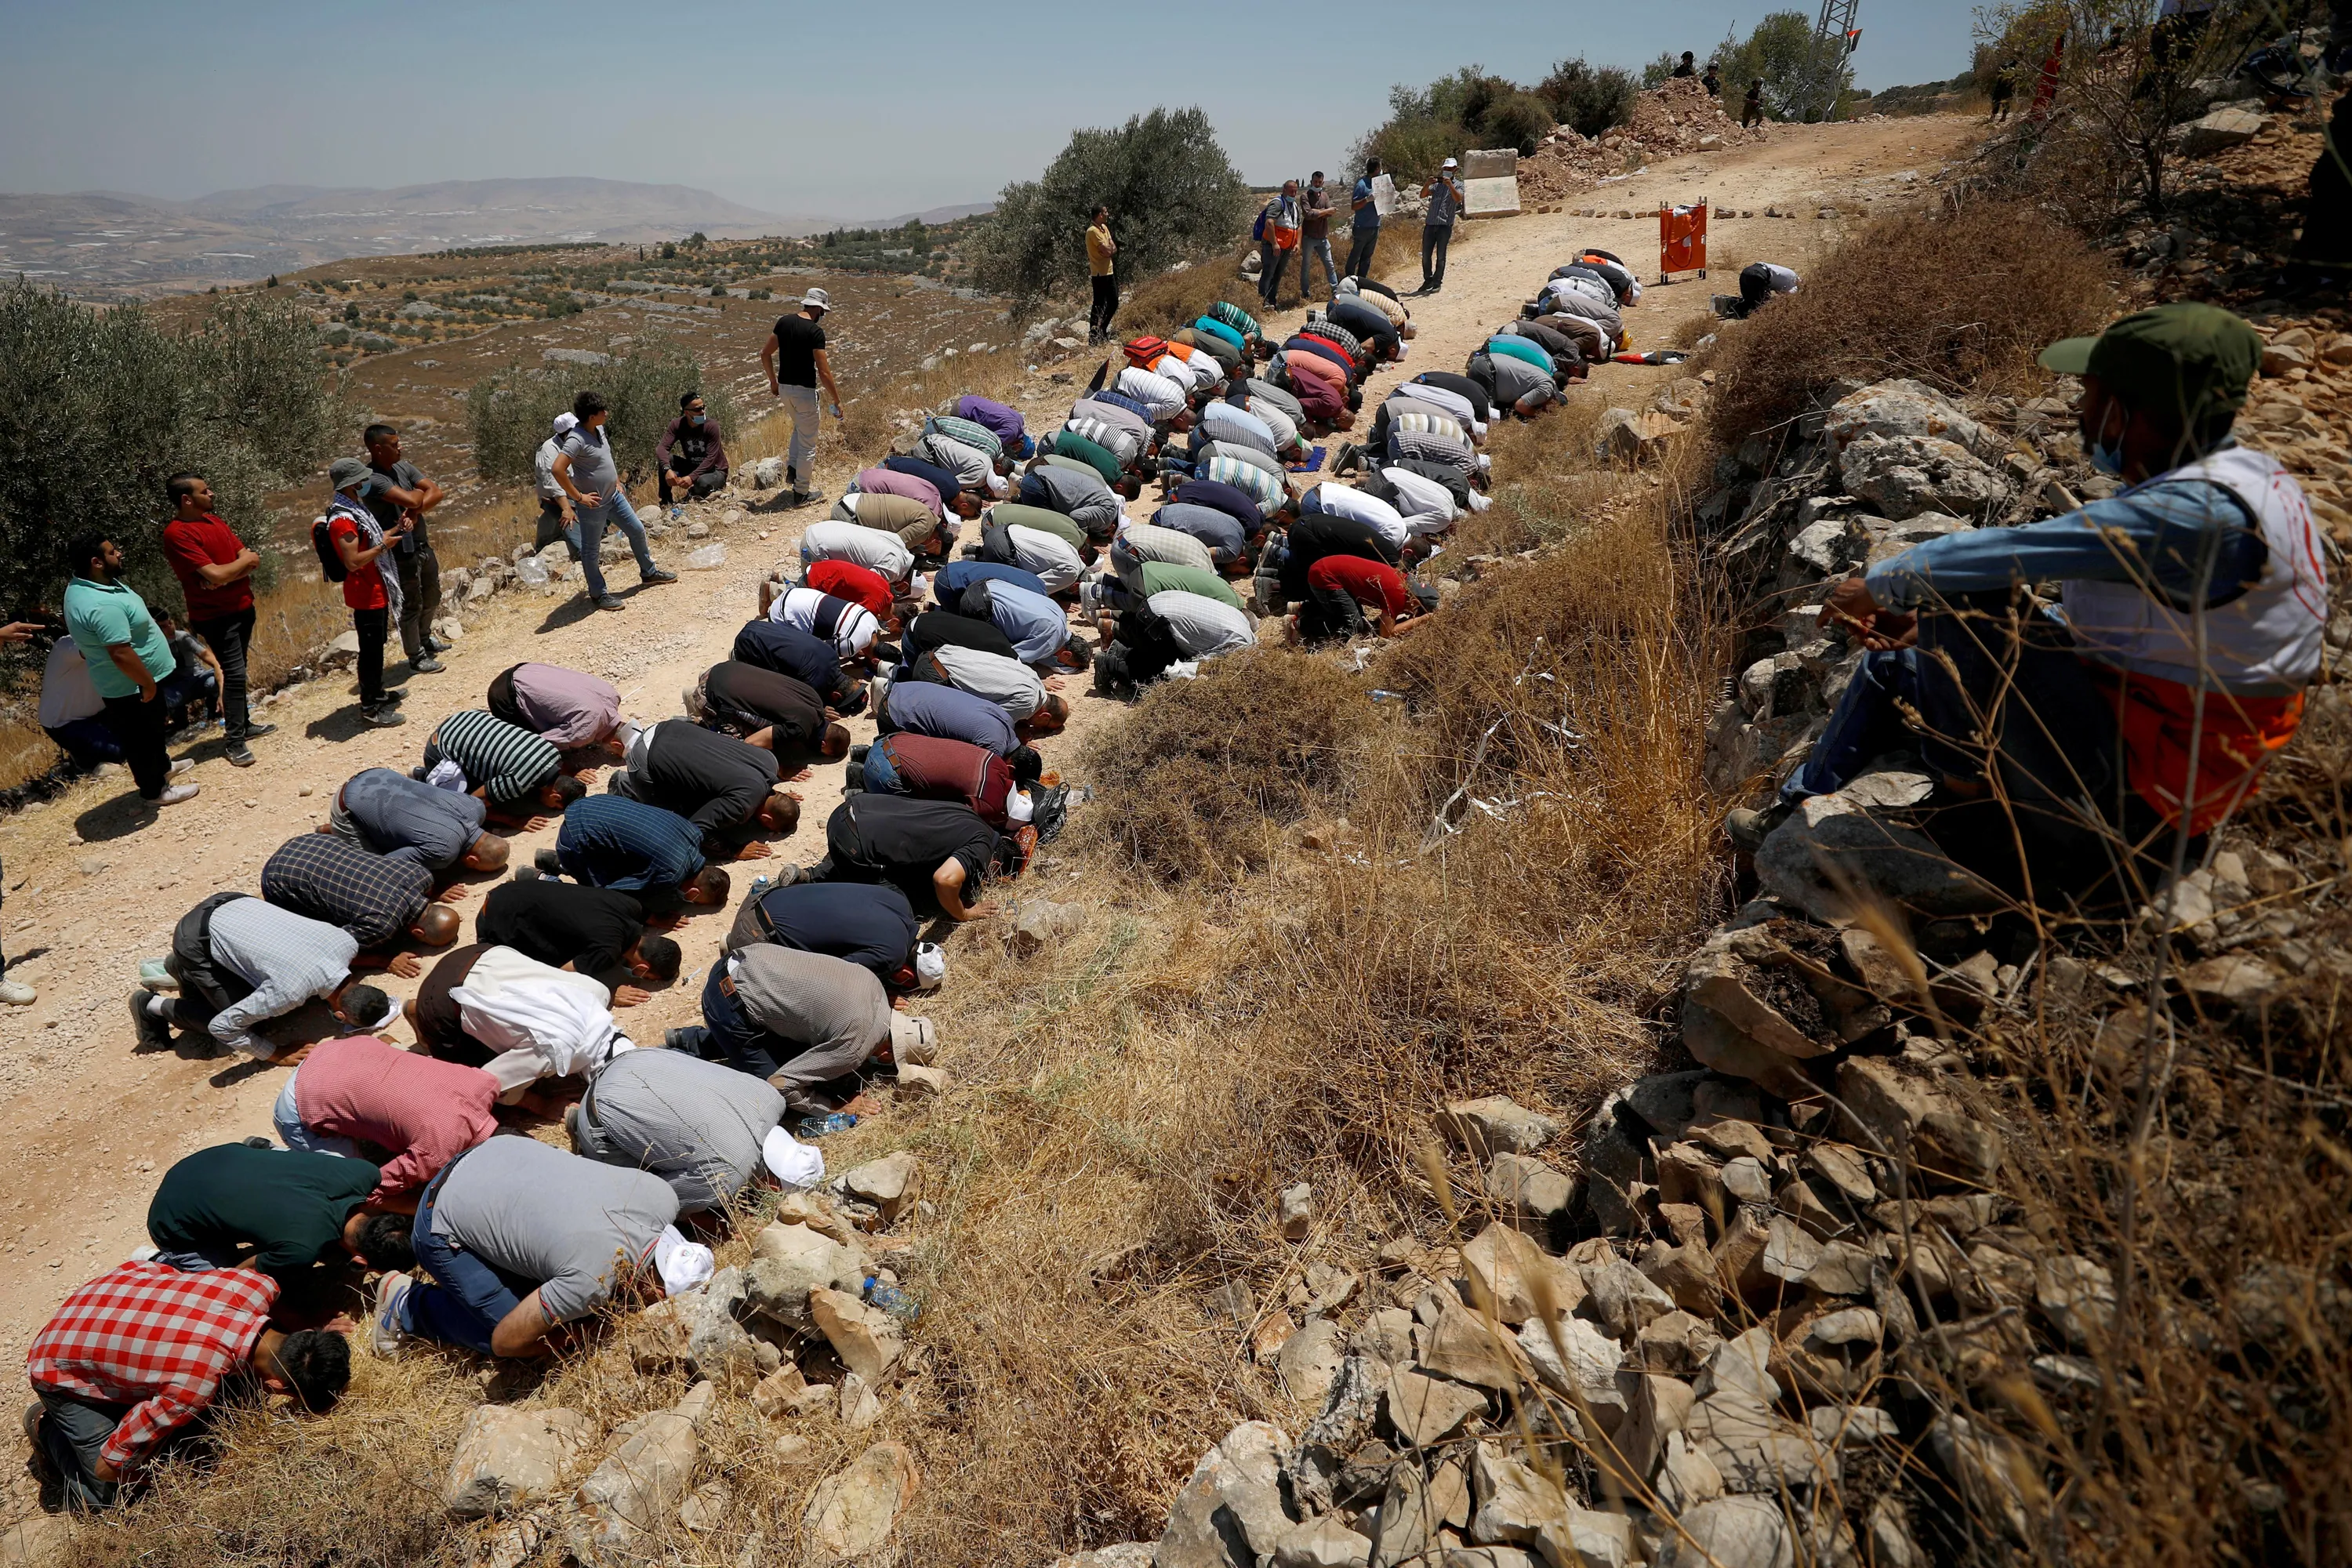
2186, 359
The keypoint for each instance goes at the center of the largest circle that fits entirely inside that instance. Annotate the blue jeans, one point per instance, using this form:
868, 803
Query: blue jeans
1310, 251
467, 1298
727, 1034
881, 778
288, 1119
88, 742
588, 533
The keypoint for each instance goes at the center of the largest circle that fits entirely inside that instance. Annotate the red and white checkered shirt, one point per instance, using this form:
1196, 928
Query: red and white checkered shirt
154, 1338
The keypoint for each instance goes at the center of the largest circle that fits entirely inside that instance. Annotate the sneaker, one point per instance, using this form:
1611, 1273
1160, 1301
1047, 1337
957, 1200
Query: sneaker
387, 1336
179, 793
1748, 829
527, 874
44, 1470
606, 601
254, 730
257, 1142
656, 575
426, 664
155, 973
435, 644
384, 717
238, 756
16, 993
180, 765
152, 1031
802, 498
548, 861
571, 1123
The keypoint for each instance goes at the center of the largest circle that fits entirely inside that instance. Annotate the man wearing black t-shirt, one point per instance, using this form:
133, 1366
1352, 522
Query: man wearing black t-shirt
768, 709
597, 931
795, 360
937, 846
724, 786
396, 491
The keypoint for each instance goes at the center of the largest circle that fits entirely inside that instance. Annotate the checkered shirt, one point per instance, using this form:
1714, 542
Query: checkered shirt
154, 1338
329, 878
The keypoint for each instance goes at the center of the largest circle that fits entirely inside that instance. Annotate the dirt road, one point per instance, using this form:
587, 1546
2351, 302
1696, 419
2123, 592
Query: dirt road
87, 1123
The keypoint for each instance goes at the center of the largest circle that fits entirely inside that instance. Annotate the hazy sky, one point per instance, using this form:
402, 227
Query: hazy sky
852, 109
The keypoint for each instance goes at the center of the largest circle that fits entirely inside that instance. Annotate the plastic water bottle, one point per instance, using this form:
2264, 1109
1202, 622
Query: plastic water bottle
818, 1126
892, 1300
1382, 694
759, 886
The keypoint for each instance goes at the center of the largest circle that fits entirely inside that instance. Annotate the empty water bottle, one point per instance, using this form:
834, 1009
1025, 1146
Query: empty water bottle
759, 886
892, 1300
818, 1126
1380, 694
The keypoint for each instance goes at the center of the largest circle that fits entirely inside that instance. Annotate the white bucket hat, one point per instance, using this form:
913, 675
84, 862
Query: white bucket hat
818, 298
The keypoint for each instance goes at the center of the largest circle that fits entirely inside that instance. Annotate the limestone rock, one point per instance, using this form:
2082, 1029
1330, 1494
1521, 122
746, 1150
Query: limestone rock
920, 1083
1309, 1361
1463, 1346
1686, 1477
890, 1183
791, 1260
506, 1455
1989, 1471
1231, 1512
1126, 1555
1581, 1363
2218, 133
853, 1511
1384, 1336
1495, 1124
1426, 1410
1740, 1363
866, 1339
1754, 1449
2078, 1296
706, 1510
1906, 407
1831, 843
640, 1482
773, 1394
767, 473
1322, 1543
1295, 1212
1515, 1503
1655, 1409
1731, 1533
1904, 476
699, 1330
1621, 1299
1529, 1192
1038, 924
1521, 1279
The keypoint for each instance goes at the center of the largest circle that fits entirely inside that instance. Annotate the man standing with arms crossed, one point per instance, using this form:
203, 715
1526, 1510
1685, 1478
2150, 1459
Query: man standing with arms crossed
216, 572
1100, 250
395, 490
795, 360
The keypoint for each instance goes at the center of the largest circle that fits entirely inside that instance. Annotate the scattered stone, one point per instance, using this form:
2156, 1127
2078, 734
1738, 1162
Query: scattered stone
1464, 1346
2078, 1296
1425, 1410
1296, 1214
1577, 1362
772, 1396
889, 1184
706, 1509
2218, 133
1989, 1471
1754, 1449
1231, 1512
1518, 1277
506, 1455
1322, 1543
791, 1260
1730, 1533
642, 1481
1623, 1299
1830, 844
1491, 1126
866, 1339
859, 1405
1309, 1361
853, 1511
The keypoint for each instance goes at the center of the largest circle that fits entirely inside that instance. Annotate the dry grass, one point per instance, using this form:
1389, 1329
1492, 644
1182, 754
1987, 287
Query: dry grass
1961, 299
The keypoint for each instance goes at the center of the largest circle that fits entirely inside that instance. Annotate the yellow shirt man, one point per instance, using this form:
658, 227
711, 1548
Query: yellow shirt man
1098, 249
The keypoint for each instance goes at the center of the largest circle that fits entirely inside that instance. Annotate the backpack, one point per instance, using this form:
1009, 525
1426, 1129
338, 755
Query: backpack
330, 560
1257, 229
1141, 352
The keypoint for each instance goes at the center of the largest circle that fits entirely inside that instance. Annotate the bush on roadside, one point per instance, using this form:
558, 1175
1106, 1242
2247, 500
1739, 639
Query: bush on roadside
1591, 101
513, 410
1960, 299
98, 407
1172, 193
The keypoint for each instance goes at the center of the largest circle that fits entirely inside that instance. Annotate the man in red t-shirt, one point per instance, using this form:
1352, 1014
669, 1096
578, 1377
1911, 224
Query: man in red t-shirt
861, 585
216, 572
350, 527
1339, 588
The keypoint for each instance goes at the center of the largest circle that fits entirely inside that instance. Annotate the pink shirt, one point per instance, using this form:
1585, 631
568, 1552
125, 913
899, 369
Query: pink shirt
881, 481
567, 707
426, 1112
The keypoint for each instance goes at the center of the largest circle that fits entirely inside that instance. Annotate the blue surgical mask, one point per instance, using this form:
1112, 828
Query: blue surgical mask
2107, 459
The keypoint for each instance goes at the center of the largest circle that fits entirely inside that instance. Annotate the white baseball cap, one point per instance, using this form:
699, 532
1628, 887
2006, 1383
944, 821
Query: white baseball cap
818, 298
790, 1161
683, 1265
931, 965
913, 1040
1449, 163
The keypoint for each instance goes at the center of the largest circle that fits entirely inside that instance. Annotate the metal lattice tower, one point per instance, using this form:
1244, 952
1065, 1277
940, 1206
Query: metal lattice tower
1832, 36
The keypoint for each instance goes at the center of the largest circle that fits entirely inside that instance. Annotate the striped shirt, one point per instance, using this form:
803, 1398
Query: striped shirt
1265, 462
1223, 421
1117, 412
1233, 316
966, 432
1429, 447
1160, 397
1261, 487
612, 841
287, 959
1142, 542
1322, 326
326, 878
850, 628
1417, 417
156, 1338
504, 761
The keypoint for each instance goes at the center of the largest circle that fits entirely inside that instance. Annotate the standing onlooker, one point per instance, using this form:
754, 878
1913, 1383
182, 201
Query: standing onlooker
127, 655
795, 360
1101, 248
1444, 193
691, 455
1366, 236
2004, 90
555, 517
216, 572
1753, 110
398, 491
372, 589
15, 993
1712, 81
1316, 239
1278, 229
591, 478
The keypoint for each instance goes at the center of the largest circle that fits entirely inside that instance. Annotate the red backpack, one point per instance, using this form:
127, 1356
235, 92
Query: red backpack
1142, 352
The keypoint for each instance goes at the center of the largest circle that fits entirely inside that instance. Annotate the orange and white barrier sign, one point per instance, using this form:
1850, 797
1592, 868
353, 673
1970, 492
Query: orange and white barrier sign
1682, 240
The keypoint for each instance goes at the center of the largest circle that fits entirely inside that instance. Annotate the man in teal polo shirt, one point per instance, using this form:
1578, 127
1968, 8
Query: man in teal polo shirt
127, 654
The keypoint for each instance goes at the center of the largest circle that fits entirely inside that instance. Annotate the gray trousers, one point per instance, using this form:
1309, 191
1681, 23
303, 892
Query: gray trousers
72, 1432
801, 401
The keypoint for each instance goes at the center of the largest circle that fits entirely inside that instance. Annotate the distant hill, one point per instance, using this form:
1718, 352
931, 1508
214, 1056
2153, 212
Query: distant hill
110, 245
928, 215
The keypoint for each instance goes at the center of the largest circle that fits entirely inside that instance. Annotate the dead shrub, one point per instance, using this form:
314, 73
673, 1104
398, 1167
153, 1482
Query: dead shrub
1961, 299
1206, 772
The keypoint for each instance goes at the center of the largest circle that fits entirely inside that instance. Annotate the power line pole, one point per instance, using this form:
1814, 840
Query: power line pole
1834, 37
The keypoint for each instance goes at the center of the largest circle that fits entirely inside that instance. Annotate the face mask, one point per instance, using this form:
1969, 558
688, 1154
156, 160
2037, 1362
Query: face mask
2106, 459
